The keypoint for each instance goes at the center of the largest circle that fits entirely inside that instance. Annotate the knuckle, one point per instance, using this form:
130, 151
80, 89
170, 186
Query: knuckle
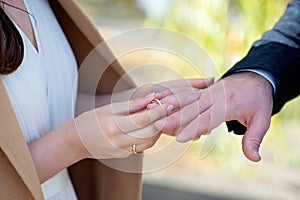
251, 141
255, 141
111, 129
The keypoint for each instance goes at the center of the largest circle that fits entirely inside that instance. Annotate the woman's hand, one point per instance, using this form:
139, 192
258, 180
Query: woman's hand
111, 131
106, 132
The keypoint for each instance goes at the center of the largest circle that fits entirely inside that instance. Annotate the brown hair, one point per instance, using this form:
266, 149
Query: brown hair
11, 45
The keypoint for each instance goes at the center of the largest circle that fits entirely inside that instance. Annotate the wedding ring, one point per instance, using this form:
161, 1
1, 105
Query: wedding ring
133, 149
156, 101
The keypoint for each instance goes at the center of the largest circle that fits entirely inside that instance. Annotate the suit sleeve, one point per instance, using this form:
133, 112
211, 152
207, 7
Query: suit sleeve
277, 52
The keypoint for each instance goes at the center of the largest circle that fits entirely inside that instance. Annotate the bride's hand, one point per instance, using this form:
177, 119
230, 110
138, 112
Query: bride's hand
112, 130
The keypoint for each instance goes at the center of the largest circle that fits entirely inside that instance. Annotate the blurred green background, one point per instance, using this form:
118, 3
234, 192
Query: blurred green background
225, 29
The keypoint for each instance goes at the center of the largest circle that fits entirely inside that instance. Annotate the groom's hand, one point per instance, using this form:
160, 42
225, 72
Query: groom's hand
178, 85
245, 97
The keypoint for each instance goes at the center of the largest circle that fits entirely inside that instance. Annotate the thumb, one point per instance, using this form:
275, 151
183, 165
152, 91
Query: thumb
253, 137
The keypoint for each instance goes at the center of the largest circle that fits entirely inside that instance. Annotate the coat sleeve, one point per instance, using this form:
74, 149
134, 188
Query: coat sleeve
276, 52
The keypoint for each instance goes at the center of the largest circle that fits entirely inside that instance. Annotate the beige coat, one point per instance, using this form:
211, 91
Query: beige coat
91, 179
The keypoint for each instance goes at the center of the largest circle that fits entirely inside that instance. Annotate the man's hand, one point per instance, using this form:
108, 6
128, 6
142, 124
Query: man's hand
245, 97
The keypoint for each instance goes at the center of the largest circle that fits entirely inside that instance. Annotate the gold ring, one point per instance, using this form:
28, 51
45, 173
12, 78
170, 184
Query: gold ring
156, 101
133, 149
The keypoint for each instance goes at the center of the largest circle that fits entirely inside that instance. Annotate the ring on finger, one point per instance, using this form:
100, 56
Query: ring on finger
133, 149
156, 101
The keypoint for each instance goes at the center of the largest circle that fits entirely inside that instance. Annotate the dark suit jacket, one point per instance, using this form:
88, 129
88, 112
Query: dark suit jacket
278, 53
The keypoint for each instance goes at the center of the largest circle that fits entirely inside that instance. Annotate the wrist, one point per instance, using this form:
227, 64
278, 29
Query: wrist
253, 78
248, 83
74, 141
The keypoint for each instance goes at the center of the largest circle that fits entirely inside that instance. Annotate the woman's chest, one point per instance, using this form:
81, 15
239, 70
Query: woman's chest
43, 89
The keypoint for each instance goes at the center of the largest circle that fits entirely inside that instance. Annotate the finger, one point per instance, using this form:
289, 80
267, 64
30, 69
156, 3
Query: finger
179, 99
253, 137
201, 83
191, 84
203, 123
124, 141
128, 123
132, 106
121, 145
183, 83
196, 82
147, 145
176, 121
144, 133
181, 118
176, 91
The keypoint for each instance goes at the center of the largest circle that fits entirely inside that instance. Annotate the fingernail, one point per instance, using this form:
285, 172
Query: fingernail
158, 95
182, 137
258, 156
169, 108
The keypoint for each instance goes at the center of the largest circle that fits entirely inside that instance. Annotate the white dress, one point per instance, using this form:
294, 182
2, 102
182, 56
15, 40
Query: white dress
43, 89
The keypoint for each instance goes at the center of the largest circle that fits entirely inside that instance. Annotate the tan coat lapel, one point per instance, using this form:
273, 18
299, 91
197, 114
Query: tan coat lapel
18, 176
